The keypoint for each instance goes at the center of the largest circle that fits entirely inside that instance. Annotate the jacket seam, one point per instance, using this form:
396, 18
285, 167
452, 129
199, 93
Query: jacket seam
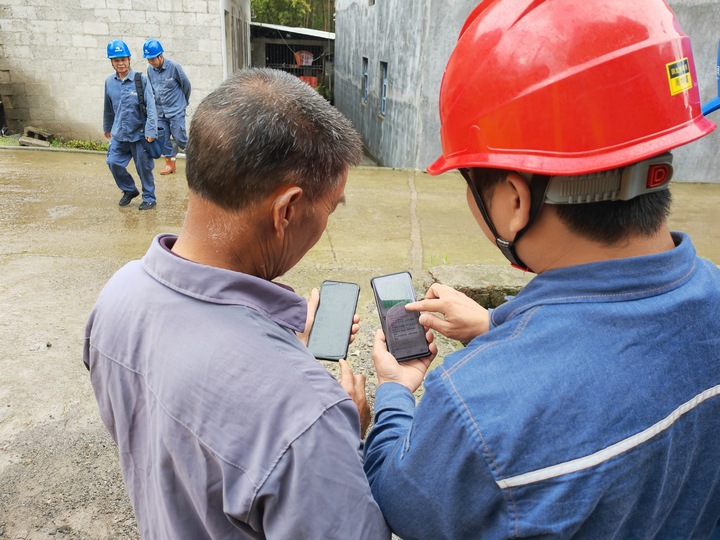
497, 473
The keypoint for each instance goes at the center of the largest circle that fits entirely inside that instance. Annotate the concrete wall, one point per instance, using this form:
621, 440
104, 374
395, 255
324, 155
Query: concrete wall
53, 60
700, 19
416, 39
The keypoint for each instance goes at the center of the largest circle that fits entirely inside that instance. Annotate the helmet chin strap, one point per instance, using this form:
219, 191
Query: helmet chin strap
538, 186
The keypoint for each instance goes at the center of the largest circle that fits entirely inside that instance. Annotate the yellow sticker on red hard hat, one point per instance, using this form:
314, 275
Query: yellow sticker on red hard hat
679, 76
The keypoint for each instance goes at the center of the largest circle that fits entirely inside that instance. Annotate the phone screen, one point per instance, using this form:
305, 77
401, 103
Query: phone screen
404, 335
330, 334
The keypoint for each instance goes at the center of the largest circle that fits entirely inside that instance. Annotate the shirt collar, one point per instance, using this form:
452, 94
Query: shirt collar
615, 280
130, 76
220, 286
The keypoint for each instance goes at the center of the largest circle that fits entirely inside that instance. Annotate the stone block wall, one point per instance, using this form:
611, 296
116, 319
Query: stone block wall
53, 60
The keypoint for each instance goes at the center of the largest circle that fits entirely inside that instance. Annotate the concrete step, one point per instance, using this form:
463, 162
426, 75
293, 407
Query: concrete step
30, 141
37, 133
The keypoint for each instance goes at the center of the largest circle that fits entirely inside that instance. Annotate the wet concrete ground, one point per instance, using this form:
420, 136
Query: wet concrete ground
62, 236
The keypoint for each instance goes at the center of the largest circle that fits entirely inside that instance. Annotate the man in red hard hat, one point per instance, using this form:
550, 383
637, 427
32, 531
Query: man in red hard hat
588, 405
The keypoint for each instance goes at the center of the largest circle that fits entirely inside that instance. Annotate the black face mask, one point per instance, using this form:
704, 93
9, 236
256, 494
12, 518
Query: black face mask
538, 186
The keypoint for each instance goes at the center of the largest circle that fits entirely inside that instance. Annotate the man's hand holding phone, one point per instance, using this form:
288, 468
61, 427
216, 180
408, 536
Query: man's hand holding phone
462, 319
354, 385
312, 307
404, 335
409, 373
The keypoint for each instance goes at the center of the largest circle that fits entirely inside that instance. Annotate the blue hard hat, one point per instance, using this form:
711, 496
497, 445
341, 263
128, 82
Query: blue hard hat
117, 49
152, 49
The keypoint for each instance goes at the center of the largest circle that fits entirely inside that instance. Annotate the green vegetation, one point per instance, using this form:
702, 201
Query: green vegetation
75, 144
325, 92
317, 14
10, 140
439, 261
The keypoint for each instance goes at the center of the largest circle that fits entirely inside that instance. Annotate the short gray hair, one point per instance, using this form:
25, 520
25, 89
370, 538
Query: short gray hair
262, 128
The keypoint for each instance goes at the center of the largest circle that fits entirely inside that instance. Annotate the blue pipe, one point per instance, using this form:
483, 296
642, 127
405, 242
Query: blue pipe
714, 103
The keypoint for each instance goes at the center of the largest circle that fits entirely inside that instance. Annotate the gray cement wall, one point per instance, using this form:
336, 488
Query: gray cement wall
53, 60
700, 19
416, 38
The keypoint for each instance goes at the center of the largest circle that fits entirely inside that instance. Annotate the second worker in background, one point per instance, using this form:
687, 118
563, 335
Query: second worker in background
172, 95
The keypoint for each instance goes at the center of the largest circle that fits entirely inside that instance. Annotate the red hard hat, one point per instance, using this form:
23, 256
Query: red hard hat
565, 87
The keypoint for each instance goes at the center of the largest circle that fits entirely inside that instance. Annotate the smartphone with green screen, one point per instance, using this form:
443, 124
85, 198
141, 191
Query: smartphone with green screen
404, 335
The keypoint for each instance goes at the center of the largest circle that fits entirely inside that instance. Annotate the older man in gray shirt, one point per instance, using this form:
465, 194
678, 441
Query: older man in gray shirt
227, 427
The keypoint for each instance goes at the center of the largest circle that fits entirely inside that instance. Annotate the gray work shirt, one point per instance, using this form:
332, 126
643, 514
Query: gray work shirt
226, 426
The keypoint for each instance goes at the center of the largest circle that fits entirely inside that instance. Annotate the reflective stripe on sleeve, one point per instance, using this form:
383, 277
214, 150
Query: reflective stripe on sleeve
610, 452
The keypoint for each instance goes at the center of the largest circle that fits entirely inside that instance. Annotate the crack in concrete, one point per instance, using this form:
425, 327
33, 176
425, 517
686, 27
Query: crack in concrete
416, 251
332, 247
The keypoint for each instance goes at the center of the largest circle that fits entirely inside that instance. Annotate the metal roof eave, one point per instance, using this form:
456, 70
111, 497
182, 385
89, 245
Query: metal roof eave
304, 31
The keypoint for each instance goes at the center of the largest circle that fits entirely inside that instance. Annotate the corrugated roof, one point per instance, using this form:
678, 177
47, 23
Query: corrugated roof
304, 31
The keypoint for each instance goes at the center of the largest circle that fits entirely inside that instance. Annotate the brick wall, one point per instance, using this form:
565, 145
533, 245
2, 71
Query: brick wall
53, 60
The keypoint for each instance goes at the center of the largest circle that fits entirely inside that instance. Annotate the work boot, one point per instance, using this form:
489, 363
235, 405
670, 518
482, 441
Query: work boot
127, 197
169, 166
146, 205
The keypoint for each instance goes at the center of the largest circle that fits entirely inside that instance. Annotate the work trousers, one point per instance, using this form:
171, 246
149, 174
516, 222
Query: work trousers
118, 157
174, 126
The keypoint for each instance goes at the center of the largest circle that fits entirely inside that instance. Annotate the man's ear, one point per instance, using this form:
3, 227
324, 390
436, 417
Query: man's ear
284, 208
521, 199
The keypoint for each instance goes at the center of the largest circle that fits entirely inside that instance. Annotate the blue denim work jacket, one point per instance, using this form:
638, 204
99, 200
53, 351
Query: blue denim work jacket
172, 88
122, 114
591, 409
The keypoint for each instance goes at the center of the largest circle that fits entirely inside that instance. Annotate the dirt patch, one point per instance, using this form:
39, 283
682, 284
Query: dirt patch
62, 236
64, 483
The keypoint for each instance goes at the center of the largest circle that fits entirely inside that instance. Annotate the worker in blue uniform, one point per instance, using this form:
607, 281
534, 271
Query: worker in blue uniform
588, 405
172, 95
127, 123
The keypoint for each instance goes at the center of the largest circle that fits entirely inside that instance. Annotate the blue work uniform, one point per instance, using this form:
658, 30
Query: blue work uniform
589, 410
125, 120
172, 95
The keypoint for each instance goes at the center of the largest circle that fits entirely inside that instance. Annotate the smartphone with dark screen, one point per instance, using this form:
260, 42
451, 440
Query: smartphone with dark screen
330, 333
404, 335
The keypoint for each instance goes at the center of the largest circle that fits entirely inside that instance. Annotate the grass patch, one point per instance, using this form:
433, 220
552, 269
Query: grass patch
10, 140
74, 144
77, 144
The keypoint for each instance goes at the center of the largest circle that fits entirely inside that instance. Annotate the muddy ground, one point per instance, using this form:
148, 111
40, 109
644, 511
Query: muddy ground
62, 236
